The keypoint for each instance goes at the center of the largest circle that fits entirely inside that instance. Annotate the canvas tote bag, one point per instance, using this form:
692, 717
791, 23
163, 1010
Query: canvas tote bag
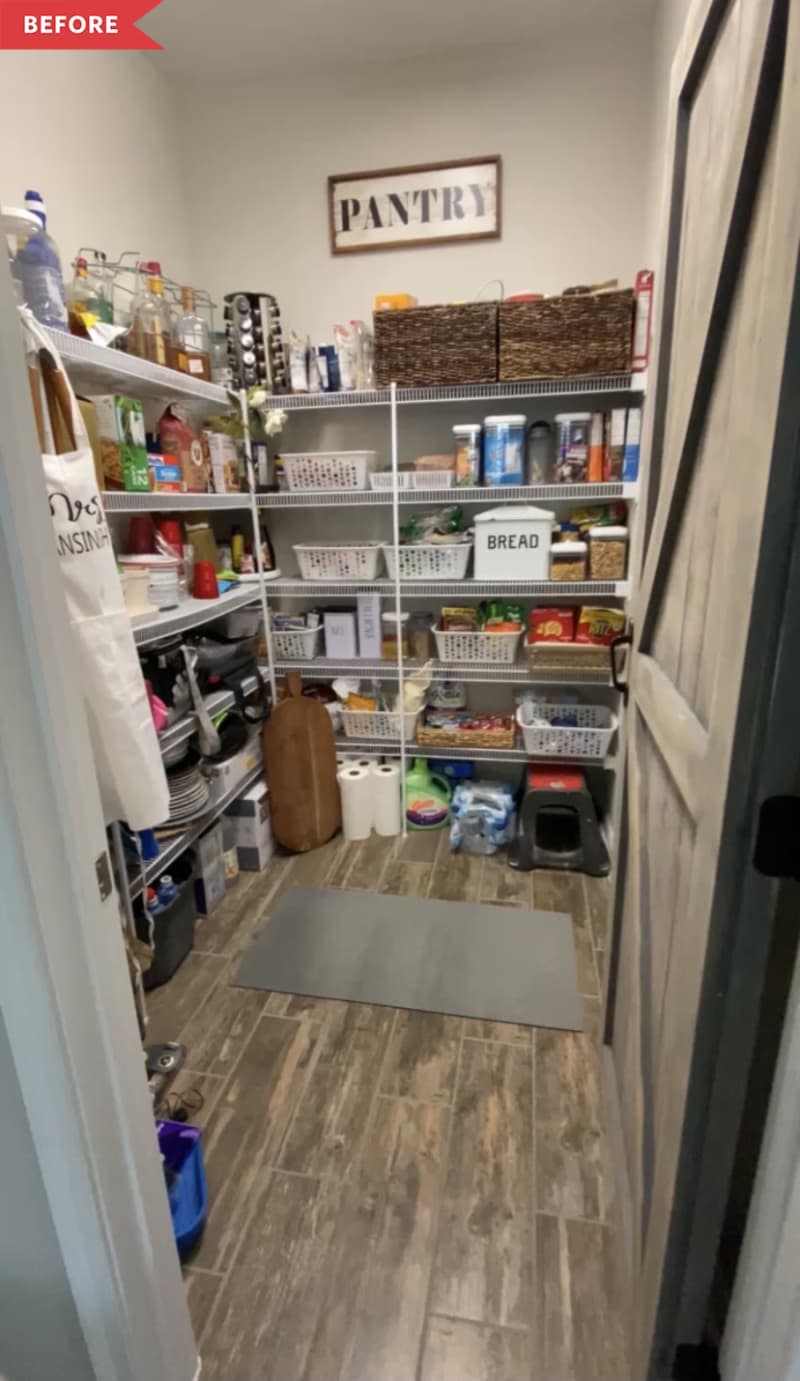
130, 771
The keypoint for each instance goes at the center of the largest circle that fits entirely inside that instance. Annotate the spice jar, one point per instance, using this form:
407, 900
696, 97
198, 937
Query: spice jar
608, 553
420, 640
568, 561
389, 635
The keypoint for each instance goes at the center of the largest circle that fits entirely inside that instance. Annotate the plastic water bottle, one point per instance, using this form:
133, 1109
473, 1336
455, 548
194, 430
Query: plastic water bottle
40, 265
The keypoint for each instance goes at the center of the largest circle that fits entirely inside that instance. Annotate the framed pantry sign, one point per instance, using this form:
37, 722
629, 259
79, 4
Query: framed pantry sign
425, 204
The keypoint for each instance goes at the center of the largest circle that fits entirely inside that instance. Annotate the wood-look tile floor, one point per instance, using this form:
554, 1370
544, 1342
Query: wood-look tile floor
397, 1195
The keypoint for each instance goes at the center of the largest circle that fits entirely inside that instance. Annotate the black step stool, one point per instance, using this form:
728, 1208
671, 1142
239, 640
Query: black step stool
557, 825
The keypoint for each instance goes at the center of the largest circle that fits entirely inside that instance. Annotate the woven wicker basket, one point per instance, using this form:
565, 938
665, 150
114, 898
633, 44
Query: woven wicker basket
431, 346
580, 333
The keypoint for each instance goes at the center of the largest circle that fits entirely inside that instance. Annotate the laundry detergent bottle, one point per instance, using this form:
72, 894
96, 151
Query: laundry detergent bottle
427, 798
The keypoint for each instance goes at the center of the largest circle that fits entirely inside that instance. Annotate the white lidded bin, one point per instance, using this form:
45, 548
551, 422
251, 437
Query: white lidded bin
513, 543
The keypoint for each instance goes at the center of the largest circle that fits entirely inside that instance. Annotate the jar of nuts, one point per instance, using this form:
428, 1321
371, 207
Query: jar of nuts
568, 561
608, 553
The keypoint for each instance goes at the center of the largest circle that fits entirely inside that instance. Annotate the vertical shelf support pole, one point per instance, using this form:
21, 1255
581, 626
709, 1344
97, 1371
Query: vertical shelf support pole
251, 480
398, 602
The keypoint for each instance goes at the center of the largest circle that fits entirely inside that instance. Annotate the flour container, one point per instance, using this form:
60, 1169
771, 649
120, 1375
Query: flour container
513, 543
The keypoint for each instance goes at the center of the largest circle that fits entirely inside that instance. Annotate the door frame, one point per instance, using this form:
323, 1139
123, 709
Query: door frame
766, 763
65, 993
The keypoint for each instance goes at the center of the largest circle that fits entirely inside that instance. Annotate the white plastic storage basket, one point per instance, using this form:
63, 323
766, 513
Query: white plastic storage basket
588, 739
328, 469
430, 561
339, 560
295, 644
413, 479
476, 647
378, 724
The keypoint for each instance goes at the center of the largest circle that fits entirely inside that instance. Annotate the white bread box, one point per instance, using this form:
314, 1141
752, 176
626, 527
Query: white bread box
513, 543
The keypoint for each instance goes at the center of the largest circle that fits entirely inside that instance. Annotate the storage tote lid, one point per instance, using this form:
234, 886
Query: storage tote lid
510, 419
617, 534
467, 428
515, 513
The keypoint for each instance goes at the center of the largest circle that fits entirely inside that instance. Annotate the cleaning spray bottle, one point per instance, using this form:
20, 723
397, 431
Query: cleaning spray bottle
427, 798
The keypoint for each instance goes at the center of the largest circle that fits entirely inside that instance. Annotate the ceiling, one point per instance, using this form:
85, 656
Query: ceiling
251, 37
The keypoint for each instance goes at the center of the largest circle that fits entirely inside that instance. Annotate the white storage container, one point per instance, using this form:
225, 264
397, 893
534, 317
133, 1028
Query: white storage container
413, 479
295, 644
328, 469
430, 560
339, 560
513, 543
378, 724
455, 646
587, 740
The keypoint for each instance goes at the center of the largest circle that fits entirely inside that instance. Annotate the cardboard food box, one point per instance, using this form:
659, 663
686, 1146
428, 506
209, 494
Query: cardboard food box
209, 876
177, 436
89, 415
123, 450
252, 831
165, 473
222, 461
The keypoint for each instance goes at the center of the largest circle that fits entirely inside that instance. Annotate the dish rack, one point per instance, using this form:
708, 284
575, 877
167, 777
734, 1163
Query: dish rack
339, 560
588, 739
295, 644
328, 469
454, 646
378, 724
413, 479
430, 560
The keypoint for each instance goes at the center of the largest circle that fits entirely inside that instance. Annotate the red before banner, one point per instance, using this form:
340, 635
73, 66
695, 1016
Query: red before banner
47, 24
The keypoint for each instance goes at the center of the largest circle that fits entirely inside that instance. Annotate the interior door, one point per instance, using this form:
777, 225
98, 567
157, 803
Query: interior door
722, 430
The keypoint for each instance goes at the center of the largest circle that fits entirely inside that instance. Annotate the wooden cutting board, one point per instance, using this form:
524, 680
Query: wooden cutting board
300, 766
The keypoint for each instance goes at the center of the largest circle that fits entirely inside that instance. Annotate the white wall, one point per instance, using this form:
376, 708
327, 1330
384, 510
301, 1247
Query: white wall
94, 133
570, 121
667, 25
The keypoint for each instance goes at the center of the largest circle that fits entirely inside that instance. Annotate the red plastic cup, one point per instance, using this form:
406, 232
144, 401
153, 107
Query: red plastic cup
170, 530
141, 536
205, 581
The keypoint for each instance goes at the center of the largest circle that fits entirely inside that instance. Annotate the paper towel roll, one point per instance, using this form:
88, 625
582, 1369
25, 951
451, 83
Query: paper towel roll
356, 788
355, 760
385, 786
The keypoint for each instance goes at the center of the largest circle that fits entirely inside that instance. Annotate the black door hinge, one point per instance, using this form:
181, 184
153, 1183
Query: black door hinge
777, 849
695, 1362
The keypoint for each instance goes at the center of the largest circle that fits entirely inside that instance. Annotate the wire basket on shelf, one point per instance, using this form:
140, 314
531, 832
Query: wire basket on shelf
455, 646
378, 724
321, 470
339, 560
295, 644
413, 479
587, 739
429, 560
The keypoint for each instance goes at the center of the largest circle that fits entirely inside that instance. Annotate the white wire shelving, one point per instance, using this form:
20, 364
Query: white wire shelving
476, 494
517, 673
117, 501
551, 589
191, 613
581, 386
174, 847
389, 749
101, 369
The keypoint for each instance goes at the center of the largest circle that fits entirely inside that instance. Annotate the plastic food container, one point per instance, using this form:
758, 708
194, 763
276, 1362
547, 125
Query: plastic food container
608, 553
420, 642
504, 449
572, 446
389, 635
568, 561
467, 438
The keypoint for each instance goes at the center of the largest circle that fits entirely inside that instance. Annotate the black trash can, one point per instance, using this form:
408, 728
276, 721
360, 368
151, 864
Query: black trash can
173, 927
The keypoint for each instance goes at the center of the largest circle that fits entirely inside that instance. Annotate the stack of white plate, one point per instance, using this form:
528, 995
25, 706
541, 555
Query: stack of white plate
188, 794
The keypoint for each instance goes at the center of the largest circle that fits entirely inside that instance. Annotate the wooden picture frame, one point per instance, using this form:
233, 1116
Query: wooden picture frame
415, 206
